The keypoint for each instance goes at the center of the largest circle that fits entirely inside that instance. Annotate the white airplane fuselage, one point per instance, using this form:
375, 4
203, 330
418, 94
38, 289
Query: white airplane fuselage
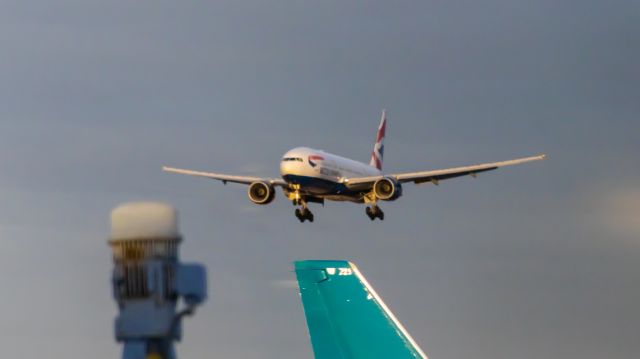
321, 174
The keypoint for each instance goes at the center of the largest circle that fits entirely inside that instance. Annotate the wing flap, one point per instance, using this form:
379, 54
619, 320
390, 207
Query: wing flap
438, 177
435, 176
226, 178
444, 174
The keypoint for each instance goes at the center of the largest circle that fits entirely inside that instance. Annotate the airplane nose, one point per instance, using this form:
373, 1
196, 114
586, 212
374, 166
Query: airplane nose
289, 167
285, 167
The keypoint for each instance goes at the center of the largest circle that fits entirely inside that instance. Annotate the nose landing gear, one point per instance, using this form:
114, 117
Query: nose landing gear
374, 212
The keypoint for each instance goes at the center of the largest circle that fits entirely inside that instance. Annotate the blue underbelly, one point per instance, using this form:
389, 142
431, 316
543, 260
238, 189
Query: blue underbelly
317, 186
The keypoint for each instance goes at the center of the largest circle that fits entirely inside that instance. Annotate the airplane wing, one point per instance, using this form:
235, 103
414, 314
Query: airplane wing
436, 176
227, 178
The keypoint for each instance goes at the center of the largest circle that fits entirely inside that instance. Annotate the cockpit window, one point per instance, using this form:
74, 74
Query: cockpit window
297, 159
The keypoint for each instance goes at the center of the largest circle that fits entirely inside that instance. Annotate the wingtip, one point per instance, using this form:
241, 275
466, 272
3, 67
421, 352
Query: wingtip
168, 169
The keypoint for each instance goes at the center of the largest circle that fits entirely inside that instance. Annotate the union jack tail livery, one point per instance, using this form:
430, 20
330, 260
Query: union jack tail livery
378, 149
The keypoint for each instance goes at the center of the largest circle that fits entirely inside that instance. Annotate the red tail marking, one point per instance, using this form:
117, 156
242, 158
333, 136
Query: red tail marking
381, 131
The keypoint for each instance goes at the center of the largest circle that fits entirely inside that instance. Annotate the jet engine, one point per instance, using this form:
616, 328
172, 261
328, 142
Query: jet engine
387, 189
261, 193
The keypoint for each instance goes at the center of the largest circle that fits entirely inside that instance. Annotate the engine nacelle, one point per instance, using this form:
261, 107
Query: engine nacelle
387, 189
261, 193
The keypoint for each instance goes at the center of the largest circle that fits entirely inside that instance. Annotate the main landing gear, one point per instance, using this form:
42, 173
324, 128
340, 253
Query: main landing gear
374, 212
304, 214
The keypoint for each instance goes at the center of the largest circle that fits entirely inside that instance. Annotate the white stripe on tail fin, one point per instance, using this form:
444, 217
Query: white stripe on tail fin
378, 149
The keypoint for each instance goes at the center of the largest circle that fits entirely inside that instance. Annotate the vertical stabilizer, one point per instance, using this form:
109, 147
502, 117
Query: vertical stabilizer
346, 317
378, 149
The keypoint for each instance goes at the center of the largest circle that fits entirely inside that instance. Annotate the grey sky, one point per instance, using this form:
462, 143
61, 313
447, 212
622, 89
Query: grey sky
538, 261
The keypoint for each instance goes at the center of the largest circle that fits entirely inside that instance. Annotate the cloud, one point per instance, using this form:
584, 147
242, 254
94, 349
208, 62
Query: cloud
619, 211
249, 208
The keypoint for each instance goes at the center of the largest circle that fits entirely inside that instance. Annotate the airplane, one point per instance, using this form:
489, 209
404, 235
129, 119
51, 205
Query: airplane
310, 175
346, 318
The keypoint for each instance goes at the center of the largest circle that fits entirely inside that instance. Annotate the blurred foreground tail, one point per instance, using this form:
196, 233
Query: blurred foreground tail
346, 317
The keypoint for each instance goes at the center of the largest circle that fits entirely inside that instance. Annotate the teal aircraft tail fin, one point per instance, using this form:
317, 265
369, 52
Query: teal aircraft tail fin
346, 317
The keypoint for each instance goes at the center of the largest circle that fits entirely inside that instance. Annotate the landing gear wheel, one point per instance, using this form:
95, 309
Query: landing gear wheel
370, 214
374, 212
304, 214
